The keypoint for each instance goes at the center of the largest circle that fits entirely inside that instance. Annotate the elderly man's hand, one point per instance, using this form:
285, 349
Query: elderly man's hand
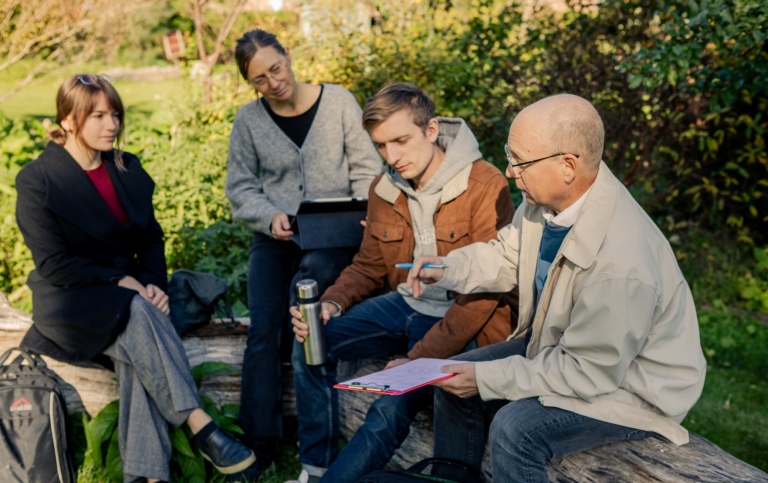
427, 275
463, 384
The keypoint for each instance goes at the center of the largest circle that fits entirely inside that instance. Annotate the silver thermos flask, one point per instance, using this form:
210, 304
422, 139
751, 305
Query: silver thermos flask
309, 305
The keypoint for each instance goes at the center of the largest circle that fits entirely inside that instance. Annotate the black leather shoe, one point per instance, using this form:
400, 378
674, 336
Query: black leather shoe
226, 455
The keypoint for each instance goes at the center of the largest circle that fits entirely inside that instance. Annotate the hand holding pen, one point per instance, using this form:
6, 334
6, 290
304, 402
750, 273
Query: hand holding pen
429, 269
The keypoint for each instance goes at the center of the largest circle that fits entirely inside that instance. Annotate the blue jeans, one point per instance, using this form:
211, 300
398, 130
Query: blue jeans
386, 425
376, 327
523, 433
274, 268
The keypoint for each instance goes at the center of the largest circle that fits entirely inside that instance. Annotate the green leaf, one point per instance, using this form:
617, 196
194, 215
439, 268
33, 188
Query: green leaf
193, 469
672, 76
229, 425
209, 368
232, 411
99, 430
180, 443
114, 465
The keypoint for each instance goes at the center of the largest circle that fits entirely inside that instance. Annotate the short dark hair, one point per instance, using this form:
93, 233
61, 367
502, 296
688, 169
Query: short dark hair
395, 97
249, 44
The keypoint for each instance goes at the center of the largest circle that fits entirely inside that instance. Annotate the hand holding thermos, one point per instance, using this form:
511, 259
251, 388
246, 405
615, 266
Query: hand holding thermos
308, 320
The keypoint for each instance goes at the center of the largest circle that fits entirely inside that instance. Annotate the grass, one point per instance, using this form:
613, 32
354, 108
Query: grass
731, 413
38, 99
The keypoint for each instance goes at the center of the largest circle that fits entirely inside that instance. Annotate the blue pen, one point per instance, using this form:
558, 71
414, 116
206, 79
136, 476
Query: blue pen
426, 265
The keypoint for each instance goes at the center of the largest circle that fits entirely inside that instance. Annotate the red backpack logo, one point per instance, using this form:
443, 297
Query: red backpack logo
20, 405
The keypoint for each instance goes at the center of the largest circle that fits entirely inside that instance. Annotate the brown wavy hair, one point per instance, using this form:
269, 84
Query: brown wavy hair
394, 97
77, 97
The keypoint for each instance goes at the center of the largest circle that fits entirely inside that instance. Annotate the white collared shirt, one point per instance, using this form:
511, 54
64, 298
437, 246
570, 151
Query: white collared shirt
568, 216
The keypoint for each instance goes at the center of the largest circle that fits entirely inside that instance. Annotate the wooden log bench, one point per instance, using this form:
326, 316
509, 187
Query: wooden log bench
652, 459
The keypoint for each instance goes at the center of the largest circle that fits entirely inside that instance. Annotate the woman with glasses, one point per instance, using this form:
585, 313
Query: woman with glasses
295, 142
85, 210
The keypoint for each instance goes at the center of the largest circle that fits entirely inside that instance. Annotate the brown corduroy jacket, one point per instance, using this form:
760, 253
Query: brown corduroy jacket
474, 214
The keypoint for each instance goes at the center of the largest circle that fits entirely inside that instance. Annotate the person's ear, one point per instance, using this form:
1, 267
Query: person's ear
433, 129
570, 166
66, 124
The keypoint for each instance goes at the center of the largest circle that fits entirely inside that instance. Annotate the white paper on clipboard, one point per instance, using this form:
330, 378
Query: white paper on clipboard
401, 379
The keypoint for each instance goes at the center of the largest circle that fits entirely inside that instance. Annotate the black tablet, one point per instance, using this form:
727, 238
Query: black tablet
329, 223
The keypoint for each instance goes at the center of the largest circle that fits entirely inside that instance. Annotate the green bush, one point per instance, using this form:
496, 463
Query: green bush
21, 141
681, 86
184, 148
754, 288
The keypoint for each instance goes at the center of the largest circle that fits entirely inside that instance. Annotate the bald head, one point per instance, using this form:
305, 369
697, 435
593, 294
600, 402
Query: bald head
568, 123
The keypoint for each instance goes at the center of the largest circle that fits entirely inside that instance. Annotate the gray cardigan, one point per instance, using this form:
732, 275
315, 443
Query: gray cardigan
268, 174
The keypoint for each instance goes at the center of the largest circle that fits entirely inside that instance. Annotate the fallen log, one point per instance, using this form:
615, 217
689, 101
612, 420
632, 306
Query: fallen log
91, 387
653, 459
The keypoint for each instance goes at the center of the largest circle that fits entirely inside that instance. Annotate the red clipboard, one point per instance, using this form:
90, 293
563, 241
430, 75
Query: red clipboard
401, 379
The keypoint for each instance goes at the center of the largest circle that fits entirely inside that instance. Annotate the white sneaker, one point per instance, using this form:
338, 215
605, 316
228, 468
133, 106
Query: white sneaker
304, 477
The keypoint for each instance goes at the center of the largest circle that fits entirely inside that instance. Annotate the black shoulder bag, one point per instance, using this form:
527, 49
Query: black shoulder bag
194, 298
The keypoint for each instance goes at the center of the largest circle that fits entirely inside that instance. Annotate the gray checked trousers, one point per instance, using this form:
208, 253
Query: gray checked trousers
156, 388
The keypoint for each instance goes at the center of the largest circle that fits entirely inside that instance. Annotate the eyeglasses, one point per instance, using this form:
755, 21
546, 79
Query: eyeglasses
275, 73
516, 167
93, 79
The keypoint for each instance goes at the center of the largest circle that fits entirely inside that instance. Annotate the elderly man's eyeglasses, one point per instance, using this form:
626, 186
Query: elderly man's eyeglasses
516, 167
275, 73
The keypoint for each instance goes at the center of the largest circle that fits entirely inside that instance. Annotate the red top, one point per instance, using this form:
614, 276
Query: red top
103, 183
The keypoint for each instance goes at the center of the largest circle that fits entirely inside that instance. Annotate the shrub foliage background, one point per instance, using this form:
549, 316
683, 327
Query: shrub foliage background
681, 87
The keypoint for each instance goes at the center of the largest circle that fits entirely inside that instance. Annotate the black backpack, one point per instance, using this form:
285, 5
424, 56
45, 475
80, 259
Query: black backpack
447, 471
33, 423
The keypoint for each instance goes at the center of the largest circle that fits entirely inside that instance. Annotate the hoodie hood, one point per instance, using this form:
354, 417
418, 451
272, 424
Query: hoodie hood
461, 150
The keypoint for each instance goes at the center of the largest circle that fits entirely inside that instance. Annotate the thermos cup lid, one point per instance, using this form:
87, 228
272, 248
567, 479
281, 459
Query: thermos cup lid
307, 289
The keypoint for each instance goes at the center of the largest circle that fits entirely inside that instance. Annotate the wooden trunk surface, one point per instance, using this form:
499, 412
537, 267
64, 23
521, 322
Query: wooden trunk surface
96, 387
649, 460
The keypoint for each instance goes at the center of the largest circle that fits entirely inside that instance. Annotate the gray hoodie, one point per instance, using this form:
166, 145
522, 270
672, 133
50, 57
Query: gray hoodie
449, 181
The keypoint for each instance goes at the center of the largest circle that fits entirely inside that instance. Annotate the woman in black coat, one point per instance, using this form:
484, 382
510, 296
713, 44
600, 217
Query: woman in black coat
85, 211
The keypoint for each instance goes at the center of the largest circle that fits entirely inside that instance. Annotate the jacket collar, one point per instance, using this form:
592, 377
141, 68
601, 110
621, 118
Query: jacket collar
586, 237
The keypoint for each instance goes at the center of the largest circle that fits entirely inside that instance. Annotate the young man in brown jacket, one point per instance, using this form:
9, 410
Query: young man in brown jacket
436, 194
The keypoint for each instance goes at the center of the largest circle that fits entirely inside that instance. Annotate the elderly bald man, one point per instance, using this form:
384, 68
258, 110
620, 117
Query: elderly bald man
607, 346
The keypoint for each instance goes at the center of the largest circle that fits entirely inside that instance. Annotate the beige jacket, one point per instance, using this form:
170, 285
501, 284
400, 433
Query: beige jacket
615, 335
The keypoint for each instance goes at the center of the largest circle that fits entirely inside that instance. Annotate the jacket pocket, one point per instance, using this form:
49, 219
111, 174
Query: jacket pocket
452, 232
385, 232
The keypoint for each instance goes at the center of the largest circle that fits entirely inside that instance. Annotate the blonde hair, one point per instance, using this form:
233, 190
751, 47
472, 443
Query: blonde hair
77, 98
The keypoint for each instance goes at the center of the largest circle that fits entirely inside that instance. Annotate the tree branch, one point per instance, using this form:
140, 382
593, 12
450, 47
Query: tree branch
199, 31
235, 12
44, 63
